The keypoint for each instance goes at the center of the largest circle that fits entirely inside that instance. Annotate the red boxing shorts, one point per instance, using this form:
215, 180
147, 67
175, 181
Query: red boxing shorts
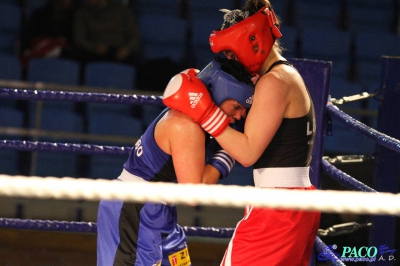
273, 237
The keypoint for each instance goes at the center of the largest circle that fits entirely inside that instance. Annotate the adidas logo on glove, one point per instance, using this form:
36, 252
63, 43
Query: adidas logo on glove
194, 98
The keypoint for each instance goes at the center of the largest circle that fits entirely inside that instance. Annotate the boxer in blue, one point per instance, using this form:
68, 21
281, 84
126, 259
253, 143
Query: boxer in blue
174, 148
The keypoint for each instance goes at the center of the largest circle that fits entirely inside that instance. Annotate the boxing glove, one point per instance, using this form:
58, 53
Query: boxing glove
188, 94
219, 158
191, 71
223, 162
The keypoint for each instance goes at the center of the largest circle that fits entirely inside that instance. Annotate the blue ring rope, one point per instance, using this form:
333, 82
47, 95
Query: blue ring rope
364, 130
19, 94
328, 255
63, 147
84, 227
344, 178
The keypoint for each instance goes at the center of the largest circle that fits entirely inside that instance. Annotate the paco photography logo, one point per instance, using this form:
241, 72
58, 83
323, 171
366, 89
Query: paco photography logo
357, 254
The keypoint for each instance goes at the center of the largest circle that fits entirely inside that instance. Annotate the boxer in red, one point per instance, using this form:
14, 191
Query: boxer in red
277, 140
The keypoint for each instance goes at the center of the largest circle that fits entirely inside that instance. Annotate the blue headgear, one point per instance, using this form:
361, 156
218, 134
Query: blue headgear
223, 86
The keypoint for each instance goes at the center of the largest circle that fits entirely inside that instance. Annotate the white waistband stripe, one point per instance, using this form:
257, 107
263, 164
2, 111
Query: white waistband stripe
282, 177
126, 176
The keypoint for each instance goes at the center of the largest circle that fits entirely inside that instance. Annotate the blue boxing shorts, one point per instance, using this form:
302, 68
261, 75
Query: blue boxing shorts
140, 234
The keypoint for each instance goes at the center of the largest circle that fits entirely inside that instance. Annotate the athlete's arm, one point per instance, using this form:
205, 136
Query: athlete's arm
178, 135
271, 99
279, 94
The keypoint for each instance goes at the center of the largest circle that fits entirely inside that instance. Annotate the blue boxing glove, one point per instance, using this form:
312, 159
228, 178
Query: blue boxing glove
223, 162
217, 157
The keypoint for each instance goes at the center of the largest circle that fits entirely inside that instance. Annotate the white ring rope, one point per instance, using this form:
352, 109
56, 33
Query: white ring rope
214, 195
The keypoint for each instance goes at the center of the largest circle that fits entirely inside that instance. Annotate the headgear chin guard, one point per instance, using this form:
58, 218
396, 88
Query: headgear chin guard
223, 85
250, 39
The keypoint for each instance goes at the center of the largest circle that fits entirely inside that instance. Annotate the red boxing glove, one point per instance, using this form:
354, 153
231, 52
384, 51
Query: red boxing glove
191, 71
188, 94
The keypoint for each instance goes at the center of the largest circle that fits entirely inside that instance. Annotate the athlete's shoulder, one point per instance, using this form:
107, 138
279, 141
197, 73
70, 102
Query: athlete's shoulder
276, 80
176, 122
175, 128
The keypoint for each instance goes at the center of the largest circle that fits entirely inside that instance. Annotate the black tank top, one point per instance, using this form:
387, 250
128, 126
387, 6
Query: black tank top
293, 142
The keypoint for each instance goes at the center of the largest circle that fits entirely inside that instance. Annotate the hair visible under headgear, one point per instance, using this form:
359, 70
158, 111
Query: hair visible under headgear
232, 17
252, 6
234, 68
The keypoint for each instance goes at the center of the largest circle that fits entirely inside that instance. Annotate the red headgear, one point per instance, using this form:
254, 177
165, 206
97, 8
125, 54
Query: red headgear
250, 39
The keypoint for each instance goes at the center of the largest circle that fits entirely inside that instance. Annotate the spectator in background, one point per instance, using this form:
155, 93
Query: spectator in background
48, 31
106, 30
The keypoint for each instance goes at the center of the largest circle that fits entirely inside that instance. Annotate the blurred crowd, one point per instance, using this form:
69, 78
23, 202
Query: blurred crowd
85, 31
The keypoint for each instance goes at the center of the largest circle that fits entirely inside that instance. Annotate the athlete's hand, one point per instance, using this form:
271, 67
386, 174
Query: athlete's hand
188, 94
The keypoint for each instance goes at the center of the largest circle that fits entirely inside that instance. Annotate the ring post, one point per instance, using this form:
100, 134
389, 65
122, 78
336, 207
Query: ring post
387, 168
316, 75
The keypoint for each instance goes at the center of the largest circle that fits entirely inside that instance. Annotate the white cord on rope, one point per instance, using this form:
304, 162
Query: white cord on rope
214, 195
